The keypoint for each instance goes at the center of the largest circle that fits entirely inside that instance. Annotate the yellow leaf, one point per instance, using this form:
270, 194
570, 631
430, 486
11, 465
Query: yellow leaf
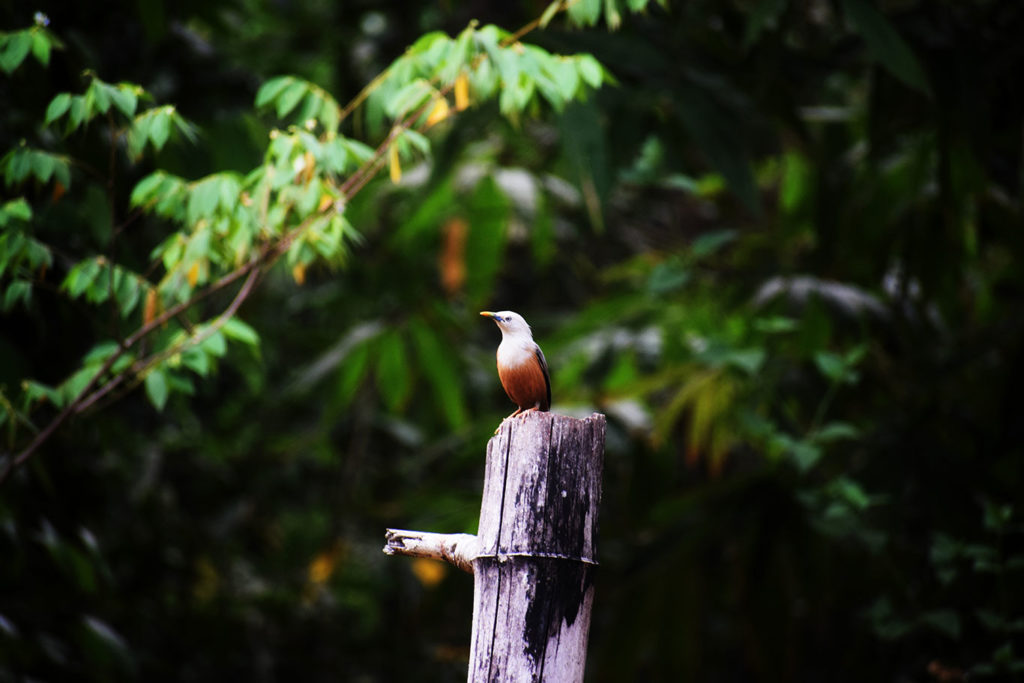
429, 572
322, 566
299, 273
453, 255
438, 113
393, 165
326, 202
193, 274
461, 92
149, 310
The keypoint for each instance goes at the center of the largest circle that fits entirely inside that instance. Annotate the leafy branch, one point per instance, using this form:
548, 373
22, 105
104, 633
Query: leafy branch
292, 205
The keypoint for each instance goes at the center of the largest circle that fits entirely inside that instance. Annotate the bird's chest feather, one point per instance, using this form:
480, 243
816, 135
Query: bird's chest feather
522, 375
512, 354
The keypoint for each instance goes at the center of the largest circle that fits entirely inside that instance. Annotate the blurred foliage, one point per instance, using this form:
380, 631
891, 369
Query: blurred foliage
242, 249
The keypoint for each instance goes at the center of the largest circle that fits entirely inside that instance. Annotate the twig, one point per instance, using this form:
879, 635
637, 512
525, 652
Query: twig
140, 367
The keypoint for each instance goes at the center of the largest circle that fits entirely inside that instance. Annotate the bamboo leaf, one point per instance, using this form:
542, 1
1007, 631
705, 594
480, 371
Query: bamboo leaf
393, 376
437, 363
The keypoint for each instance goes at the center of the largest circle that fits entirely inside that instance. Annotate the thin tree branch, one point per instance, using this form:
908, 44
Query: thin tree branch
139, 367
71, 407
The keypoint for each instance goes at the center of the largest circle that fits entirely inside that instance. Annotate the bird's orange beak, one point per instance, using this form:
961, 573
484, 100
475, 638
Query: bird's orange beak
487, 314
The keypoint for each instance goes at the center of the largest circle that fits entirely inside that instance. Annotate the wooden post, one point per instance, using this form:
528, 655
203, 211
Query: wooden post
534, 556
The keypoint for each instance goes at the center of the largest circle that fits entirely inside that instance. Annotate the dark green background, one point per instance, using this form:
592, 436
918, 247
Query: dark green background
796, 291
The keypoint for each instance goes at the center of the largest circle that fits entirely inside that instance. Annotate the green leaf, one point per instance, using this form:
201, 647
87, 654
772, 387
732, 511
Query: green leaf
485, 243
352, 372
585, 12
204, 198
14, 48
590, 70
291, 97
851, 492
710, 242
835, 431
99, 95
160, 129
124, 98
140, 133
156, 388
41, 47
885, 44
128, 290
57, 107
35, 391
99, 354
269, 91
830, 365
215, 344
146, 188
80, 277
436, 360
749, 360
393, 373
408, 98
15, 208
775, 325
566, 76
238, 330
17, 290
549, 13
77, 114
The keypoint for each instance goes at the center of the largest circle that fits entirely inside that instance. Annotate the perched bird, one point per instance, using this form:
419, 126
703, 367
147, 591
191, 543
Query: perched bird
522, 368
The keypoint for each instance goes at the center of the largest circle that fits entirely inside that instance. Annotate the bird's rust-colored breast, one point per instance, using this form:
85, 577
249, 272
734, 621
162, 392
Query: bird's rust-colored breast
525, 383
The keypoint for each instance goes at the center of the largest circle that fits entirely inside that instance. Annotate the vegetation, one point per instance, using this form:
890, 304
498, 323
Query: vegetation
242, 250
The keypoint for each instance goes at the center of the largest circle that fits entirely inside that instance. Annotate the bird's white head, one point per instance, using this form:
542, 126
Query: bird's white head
510, 323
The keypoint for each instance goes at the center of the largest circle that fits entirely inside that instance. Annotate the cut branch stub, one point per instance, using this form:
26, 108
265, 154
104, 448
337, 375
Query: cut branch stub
459, 549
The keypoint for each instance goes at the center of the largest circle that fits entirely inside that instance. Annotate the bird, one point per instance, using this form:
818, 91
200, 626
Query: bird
522, 368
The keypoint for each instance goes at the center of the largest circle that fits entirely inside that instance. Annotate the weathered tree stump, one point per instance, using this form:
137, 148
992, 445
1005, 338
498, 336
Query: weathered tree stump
534, 557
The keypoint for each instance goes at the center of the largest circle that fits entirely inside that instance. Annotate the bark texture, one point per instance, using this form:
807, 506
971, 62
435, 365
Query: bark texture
536, 549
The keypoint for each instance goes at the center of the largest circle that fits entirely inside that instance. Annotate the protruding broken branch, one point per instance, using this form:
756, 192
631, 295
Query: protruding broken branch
459, 549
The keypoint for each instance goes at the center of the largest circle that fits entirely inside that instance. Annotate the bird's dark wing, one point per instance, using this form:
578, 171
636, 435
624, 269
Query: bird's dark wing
547, 377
